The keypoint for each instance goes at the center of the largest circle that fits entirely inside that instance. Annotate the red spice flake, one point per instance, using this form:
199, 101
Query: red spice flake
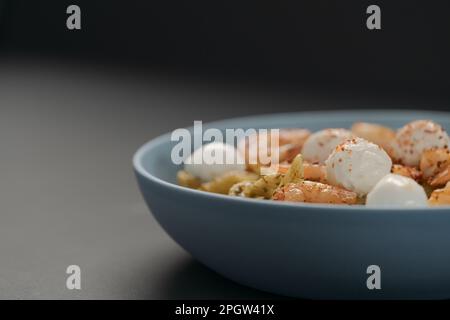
339, 147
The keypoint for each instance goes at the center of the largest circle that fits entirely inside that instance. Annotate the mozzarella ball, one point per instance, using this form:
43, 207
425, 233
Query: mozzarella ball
320, 144
357, 165
396, 190
213, 160
416, 137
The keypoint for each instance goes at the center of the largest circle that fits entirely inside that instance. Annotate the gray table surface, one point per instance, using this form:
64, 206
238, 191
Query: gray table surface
67, 190
68, 193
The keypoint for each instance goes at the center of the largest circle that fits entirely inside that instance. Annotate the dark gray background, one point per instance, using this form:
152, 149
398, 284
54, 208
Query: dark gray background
320, 44
74, 106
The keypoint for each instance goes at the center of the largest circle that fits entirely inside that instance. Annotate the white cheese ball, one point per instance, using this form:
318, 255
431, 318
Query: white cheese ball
416, 137
395, 190
212, 160
357, 165
320, 144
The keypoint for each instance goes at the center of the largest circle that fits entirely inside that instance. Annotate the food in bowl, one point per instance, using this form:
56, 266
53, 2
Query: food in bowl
368, 164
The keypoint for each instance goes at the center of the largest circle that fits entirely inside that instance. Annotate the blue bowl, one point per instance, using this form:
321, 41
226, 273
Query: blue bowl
303, 250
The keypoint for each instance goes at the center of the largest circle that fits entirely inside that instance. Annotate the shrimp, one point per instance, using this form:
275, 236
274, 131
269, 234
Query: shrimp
288, 152
409, 172
290, 143
314, 192
378, 134
291, 192
315, 172
441, 178
440, 196
311, 171
433, 162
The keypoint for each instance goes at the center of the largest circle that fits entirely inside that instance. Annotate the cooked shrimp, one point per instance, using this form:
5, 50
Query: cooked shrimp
440, 196
375, 133
409, 172
314, 192
290, 143
291, 192
434, 161
441, 178
315, 172
311, 171
288, 152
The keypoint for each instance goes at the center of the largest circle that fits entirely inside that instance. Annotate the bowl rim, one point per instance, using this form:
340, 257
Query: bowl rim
164, 138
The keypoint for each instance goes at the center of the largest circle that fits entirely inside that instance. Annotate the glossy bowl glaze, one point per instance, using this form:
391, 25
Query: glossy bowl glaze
303, 250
